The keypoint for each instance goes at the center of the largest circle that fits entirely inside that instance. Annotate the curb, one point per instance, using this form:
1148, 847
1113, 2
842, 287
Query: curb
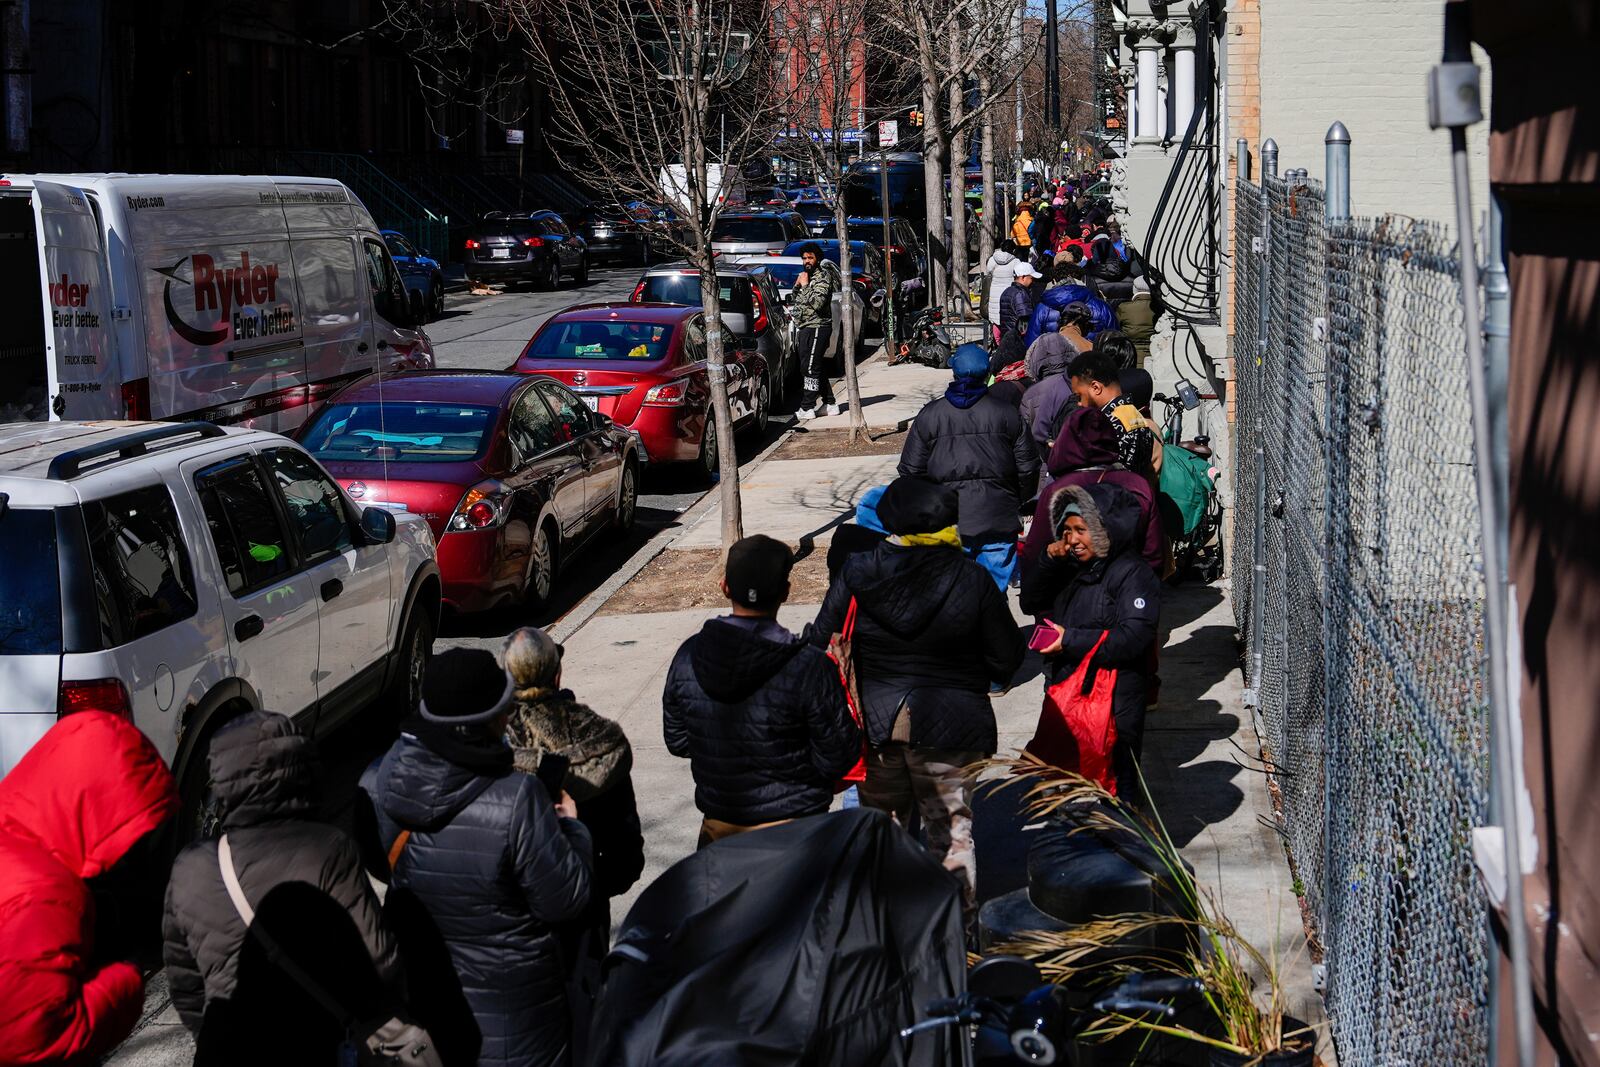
691, 517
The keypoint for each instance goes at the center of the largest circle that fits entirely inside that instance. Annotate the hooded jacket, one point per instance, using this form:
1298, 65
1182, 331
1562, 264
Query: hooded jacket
980, 448
1046, 313
497, 871
933, 632
1016, 305
1085, 453
1116, 593
1002, 270
261, 773
813, 302
1022, 227
70, 809
763, 722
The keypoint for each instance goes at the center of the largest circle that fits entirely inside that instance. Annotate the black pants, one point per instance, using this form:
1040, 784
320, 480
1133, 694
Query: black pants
813, 349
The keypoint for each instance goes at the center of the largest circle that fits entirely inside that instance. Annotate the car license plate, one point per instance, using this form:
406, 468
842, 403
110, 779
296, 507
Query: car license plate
499, 253
592, 401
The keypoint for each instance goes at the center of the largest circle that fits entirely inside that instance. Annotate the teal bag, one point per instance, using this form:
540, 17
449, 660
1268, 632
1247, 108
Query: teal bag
1186, 481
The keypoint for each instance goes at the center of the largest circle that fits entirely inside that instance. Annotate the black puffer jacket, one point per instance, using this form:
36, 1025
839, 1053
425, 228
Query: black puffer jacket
1116, 594
983, 452
1016, 308
932, 631
764, 724
496, 870
261, 771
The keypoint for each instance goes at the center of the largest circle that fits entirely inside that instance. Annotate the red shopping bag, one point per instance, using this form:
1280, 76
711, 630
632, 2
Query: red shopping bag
843, 656
1076, 730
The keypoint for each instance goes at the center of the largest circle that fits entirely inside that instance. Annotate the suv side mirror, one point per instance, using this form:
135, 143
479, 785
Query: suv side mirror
377, 525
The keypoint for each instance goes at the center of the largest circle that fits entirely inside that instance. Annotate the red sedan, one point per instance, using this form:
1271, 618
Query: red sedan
644, 365
514, 474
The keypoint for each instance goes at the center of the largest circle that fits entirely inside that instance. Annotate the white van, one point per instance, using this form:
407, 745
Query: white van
161, 296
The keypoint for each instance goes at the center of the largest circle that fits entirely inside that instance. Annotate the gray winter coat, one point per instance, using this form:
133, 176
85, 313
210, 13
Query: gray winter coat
497, 871
262, 777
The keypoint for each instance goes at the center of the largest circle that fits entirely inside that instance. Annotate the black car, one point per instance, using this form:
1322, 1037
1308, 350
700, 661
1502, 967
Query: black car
818, 216
534, 247
615, 233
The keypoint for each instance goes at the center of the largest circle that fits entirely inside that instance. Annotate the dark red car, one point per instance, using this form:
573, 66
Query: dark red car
644, 366
513, 474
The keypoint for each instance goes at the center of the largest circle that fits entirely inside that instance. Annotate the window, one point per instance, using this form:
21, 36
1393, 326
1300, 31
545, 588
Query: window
644, 342
30, 595
750, 230
398, 246
330, 278
532, 429
245, 528
408, 431
142, 581
316, 507
572, 416
388, 294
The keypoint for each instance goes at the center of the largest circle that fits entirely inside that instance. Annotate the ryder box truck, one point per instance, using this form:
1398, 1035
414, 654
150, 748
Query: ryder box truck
226, 299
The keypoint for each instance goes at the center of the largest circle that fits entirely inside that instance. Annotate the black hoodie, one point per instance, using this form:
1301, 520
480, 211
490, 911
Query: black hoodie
763, 722
932, 631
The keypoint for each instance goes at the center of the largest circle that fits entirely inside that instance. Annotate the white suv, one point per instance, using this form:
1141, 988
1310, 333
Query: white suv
178, 574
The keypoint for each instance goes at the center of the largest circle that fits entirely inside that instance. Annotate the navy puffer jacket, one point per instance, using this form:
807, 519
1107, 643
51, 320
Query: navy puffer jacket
1046, 314
763, 722
496, 869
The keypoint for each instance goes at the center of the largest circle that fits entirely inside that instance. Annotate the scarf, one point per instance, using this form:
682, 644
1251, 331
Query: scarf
949, 537
965, 392
469, 747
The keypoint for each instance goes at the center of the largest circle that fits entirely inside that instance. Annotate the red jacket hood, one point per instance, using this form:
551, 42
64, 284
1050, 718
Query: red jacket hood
90, 788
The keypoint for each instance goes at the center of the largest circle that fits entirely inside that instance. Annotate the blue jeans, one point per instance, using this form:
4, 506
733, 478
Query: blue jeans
999, 558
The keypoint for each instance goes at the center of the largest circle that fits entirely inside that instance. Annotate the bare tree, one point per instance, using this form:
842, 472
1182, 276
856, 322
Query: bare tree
645, 93
466, 56
823, 49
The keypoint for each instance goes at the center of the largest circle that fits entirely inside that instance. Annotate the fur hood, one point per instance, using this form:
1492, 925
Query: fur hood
1110, 512
546, 721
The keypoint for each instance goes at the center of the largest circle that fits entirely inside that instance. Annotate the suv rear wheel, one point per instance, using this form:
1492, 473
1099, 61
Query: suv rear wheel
412, 652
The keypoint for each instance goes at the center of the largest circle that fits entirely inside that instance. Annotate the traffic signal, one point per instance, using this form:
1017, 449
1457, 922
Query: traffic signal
916, 117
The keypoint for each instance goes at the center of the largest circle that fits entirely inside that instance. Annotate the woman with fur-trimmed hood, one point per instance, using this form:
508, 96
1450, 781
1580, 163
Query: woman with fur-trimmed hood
547, 718
1091, 580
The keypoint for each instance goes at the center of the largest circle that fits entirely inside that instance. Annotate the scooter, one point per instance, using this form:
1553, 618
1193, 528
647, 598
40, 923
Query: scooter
1188, 477
1019, 1018
928, 341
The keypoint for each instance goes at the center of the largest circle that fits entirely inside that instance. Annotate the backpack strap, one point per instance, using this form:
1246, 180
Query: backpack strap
398, 847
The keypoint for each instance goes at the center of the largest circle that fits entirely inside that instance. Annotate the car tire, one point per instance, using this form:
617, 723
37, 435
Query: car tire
541, 581
199, 815
436, 300
552, 275
709, 464
627, 497
404, 691
582, 276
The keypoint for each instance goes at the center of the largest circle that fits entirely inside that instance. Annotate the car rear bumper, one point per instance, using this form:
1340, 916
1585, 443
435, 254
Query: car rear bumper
471, 570
505, 268
662, 435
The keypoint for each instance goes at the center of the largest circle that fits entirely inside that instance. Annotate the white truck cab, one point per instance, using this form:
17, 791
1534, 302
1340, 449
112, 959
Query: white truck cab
228, 299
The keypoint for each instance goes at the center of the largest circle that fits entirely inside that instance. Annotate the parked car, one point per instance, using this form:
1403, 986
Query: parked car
784, 271
817, 215
868, 276
752, 307
422, 274
178, 574
906, 241
644, 367
513, 474
536, 247
740, 233
615, 233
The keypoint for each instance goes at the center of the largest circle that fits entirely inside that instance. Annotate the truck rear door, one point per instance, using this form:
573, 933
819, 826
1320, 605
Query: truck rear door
80, 357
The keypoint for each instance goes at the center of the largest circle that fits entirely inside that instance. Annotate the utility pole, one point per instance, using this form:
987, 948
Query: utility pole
1016, 89
1052, 75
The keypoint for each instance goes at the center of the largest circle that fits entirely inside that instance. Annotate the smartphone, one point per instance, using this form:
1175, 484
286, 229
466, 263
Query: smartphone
553, 767
1044, 635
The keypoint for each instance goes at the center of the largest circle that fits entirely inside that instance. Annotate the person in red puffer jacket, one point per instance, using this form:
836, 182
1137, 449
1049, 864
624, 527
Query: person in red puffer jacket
71, 809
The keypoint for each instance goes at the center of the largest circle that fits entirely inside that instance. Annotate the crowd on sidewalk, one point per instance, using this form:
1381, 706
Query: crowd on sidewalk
466, 917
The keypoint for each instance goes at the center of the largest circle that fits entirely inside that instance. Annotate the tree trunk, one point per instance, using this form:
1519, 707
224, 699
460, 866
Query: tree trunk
935, 147
847, 318
991, 203
721, 409
960, 282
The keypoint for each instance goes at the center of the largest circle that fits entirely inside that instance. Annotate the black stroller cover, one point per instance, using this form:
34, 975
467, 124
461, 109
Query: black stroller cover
813, 942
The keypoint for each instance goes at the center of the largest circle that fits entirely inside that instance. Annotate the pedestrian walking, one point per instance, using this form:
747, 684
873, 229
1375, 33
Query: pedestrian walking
261, 772
549, 723
760, 714
498, 862
1096, 380
88, 797
932, 637
1104, 603
1001, 267
1054, 351
1022, 227
976, 444
1017, 299
813, 319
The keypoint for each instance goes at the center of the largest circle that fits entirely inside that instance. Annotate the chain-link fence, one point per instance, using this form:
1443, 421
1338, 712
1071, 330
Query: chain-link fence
1358, 584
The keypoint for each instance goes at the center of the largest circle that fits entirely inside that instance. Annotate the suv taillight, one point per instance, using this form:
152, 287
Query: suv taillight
102, 694
483, 507
638, 292
534, 242
471, 243
761, 310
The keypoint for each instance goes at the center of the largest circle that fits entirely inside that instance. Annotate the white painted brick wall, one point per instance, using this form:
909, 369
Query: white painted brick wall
1364, 62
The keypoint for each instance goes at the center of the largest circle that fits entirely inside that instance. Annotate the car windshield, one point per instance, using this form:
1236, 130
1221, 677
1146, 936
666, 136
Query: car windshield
642, 342
30, 596
767, 231
814, 210
684, 289
785, 274
401, 432
859, 252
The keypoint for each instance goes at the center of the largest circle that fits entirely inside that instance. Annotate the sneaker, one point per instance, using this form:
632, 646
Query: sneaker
833, 409
805, 414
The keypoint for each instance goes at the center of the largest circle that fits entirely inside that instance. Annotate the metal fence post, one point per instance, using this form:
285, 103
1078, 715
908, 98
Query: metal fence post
1269, 158
1241, 159
1336, 197
1258, 578
1497, 355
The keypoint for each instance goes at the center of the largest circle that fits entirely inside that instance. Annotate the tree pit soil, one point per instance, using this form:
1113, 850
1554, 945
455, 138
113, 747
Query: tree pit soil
680, 579
832, 444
